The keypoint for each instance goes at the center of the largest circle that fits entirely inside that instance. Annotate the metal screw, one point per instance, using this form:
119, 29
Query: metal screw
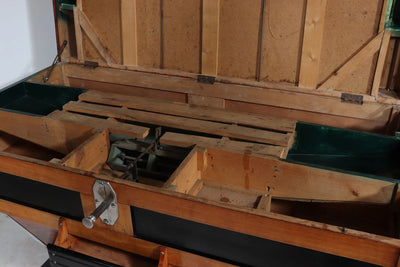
96, 200
162, 253
54, 262
113, 205
105, 221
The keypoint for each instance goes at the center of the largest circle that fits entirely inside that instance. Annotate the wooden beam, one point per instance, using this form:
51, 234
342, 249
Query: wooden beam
353, 244
220, 129
312, 43
129, 32
210, 37
94, 37
186, 140
55, 135
185, 110
383, 15
366, 53
381, 63
316, 101
101, 124
78, 33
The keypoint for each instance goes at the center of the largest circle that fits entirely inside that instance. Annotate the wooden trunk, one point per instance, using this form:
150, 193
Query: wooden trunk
271, 147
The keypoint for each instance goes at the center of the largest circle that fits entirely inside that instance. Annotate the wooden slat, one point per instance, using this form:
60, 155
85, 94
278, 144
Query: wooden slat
55, 135
215, 128
312, 43
90, 153
366, 53
281, 96
381, 63
182, 109
95, 38
265, 203
186, 140
210, 37
383, 16
78, 34
101, 124
129, 32
353, 244
206, 101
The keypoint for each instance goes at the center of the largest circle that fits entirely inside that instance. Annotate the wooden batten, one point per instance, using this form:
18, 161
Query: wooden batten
210, 40
129, 32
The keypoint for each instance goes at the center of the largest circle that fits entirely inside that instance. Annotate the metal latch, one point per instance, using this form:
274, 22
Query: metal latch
206, 79
352, 99
55, 61
106, 205
90, 64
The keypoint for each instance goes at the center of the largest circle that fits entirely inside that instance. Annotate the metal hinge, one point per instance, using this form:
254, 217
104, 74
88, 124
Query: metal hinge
352, 99
91, 64
206, 79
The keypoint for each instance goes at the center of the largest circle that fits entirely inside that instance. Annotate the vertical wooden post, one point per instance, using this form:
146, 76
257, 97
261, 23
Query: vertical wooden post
78, 30
210, 37
129, 32
381, 63
163, 260
312, 43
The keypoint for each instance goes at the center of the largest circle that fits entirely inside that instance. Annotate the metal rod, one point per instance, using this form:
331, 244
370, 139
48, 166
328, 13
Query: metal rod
88, 222
260, 41
55, 61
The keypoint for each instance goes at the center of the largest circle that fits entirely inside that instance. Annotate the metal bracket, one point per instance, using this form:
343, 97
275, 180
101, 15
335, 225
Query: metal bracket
352, 99
106, 205
90, 64
206, 79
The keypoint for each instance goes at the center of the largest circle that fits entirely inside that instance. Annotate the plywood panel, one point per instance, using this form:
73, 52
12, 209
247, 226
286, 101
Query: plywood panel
105, 16
182, 35
349, 24
282, 38
148, 33
239, 31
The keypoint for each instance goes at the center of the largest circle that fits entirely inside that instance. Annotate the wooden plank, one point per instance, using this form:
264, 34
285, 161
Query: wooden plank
313, 235
101, 124
265, 203
312, 43
78, 33
129, 32
186, 140
339, 76
55, 135
89, 154
281, 96
292, 181
108, 237
210, 37
186, 175
95, 38
180, 109
383, 16
206, 101
215, 128
381, 63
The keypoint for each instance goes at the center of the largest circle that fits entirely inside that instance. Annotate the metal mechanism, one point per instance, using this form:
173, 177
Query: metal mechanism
352, 99
206, 79
55, 61
144, 158
106, 205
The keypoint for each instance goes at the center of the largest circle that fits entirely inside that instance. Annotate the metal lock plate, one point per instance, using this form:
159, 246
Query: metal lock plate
102, 189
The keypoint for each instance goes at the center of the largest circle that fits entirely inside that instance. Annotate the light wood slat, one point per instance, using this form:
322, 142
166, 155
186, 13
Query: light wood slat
95, 38
186, 140
210, 37
312, 43
129, 32
366, 53
221, 129
327, 102
101, 124
383, 16
182, 109
78, 34
381, 63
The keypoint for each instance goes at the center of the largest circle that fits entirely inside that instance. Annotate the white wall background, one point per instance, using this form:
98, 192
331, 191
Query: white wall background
27, 38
